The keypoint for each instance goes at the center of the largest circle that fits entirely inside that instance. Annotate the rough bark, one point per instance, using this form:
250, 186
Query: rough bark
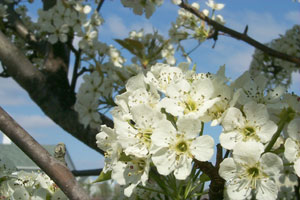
49, 90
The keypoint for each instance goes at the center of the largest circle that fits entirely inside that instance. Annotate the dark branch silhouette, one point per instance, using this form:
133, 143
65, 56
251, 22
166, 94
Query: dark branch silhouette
240, 36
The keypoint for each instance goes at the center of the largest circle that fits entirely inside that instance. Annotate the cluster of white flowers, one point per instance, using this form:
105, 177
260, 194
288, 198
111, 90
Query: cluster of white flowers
150, 53
21, 185
189, 26
277, 70
105, 80
159, 121
69, 17
146, 133
142, 6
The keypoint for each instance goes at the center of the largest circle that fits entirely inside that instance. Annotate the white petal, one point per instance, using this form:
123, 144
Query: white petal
233, 118
229, 139
293, 129
145, 117
237, 190
164, 134
256, 113
21, 194
172, 106
189, 126
202, 148
267, 131
247, 152
183, 168
227, 169
178, 89
118, 173
128, 190
271, 164
52, 39
290, 150
297, 167
164, 161
267, 190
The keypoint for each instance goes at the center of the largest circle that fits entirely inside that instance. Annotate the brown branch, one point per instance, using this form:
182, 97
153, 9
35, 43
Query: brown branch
45, 90
57, 171
216, 186
241, 36
16, 24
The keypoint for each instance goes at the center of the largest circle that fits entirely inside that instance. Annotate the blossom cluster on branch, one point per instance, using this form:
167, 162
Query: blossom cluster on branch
276, 70
158, 122
21, 185
158, 144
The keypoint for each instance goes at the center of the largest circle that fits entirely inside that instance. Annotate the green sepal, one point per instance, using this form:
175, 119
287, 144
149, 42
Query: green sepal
3, 178
204, 178
103, 177
124, 158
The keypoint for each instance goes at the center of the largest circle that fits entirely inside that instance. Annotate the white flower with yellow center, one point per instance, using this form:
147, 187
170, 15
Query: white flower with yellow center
107, 141
134, 135
190, 99
131, 172
174, 149
252, 124
249, 174
292, 144
162, 75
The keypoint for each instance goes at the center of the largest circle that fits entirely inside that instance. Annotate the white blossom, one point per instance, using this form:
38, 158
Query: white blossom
174, 150
252, 124
249, 173
292, 144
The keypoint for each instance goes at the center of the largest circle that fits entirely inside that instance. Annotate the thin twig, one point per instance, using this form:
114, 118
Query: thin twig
75, 69
219, 157
241, 36
99, 5
56, 170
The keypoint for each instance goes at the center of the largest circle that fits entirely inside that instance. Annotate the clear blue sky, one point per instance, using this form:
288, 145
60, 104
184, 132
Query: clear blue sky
266, 20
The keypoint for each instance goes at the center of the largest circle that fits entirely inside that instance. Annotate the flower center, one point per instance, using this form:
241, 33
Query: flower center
145, 136
249, 131
190, 105
253, 171
182, 146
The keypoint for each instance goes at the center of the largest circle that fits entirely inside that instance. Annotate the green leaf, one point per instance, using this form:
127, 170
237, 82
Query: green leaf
103, 177
135, 43
133, 46
204, 178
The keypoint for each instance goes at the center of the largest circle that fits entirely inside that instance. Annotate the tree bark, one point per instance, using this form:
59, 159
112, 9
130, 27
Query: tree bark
45, 90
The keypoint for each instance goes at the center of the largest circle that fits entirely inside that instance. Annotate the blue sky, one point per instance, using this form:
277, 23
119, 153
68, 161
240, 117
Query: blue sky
266, 20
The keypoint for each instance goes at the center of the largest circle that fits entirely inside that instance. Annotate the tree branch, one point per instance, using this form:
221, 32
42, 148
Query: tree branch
216, 186
45, 91
99, 5
75, 69
22, 31
241, 36
57, 171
